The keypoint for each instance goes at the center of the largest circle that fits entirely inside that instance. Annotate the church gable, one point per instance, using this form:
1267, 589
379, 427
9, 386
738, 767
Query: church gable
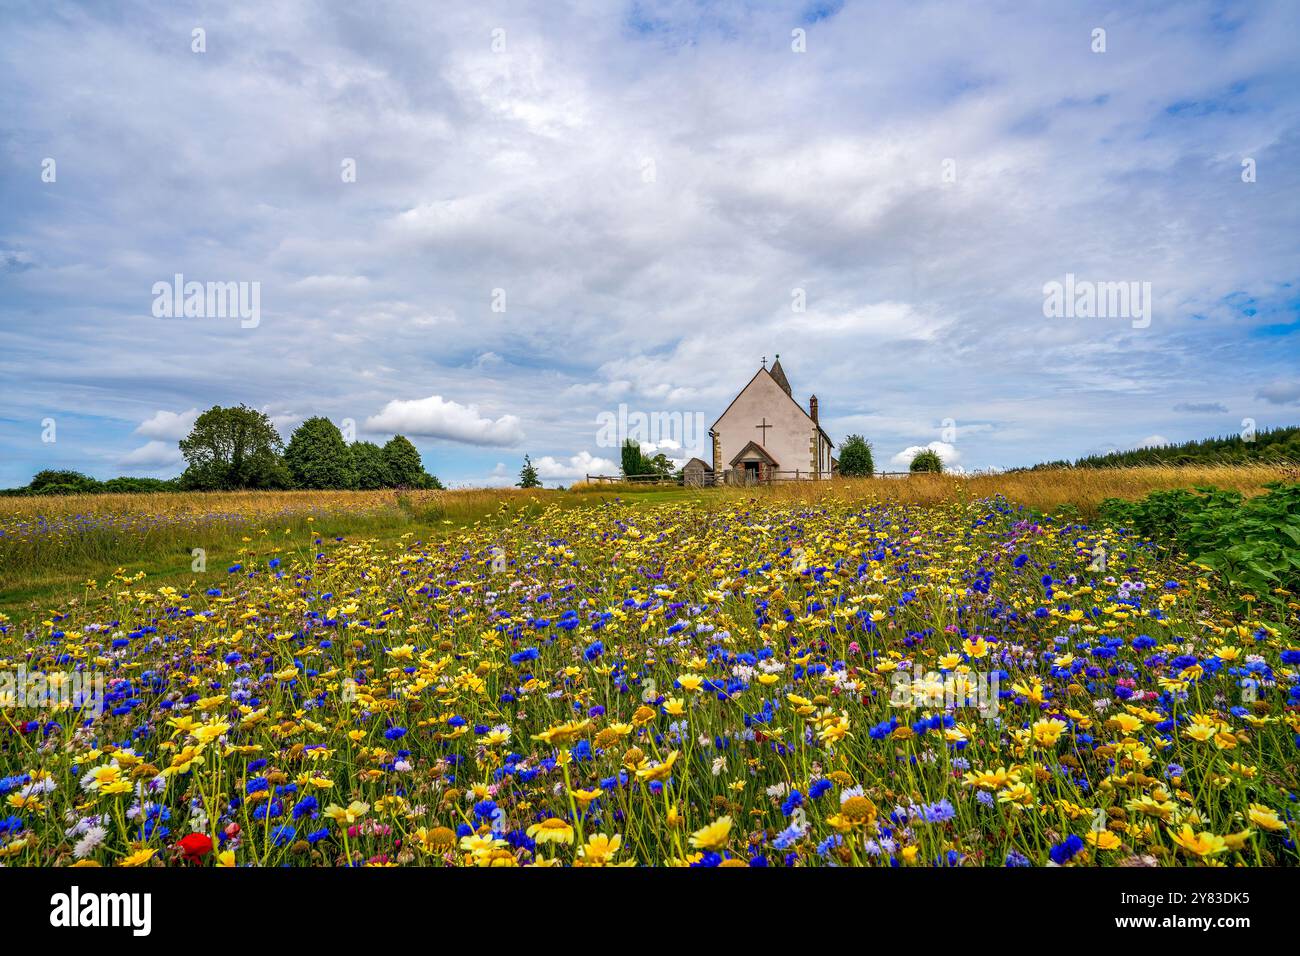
764, 424
754, 451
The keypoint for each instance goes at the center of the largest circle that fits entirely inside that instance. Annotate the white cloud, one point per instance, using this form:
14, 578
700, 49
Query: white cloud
152, 455
1153, 441
332, 285
572, 469
434, 417
168, 426
949, 455
773, 172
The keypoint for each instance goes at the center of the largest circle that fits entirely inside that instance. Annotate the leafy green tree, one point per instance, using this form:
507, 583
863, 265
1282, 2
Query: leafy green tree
317, 456
528, 475
369, 467
233, 448
659, 465
926, 460
404, 465
52, 482
141, 485
633, 462
855, 458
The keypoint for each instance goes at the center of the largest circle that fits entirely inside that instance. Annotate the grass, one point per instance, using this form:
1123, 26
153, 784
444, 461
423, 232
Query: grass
52, 545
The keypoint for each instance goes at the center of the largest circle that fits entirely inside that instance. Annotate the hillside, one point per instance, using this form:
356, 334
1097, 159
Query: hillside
1269, 445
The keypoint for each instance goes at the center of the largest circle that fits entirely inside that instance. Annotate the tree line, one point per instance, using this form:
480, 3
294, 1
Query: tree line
1266, 445
230, 449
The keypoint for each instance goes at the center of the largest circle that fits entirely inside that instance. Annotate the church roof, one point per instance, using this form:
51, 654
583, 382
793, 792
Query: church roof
778, 373
757, 449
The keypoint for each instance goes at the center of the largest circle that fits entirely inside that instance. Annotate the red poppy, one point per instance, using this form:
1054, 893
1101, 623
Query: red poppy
196, 846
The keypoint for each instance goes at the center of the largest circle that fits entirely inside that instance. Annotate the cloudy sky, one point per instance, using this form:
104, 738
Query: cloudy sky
487, 226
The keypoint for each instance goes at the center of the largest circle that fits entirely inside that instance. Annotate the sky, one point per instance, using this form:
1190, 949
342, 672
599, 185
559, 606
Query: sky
492, 227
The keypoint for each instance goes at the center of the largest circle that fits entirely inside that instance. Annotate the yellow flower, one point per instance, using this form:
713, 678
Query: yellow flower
480, 845
1048, 732
600, 847
1265, 817
674, 706
138, 858
690, 682
1200, 844
989, 779
101, 777
551, 830
1103, 839
1126, 724
659, 771
206, 733
714, 836
1018, 795
346, 817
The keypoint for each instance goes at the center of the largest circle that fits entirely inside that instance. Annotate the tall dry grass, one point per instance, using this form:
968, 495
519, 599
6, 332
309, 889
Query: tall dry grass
70, 537
47, 541
1084, 488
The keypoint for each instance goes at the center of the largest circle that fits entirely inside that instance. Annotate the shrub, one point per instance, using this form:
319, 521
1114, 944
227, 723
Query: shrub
52, 482
1254, 543
855, 458
927, 460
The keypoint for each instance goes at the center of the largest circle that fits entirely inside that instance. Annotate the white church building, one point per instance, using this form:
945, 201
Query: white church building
765, 435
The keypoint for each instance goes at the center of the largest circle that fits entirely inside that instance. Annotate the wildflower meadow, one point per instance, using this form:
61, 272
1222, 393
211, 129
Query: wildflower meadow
736, 680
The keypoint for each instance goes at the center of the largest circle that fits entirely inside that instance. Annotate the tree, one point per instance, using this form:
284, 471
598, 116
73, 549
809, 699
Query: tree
405, 467
51, 482
528, 475
633, 462
658, 465
926, 460
369, 467
317, 456
140, 485
233, 448
855, 458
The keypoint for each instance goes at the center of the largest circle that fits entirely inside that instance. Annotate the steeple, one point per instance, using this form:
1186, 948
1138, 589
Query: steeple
779, 374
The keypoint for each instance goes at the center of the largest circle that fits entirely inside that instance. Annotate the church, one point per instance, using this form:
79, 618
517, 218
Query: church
766, 435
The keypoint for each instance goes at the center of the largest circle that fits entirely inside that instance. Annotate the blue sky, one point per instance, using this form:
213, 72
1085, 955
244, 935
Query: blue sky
647, 184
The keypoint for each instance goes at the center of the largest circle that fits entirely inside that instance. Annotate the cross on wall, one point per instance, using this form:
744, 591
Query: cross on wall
765, 426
